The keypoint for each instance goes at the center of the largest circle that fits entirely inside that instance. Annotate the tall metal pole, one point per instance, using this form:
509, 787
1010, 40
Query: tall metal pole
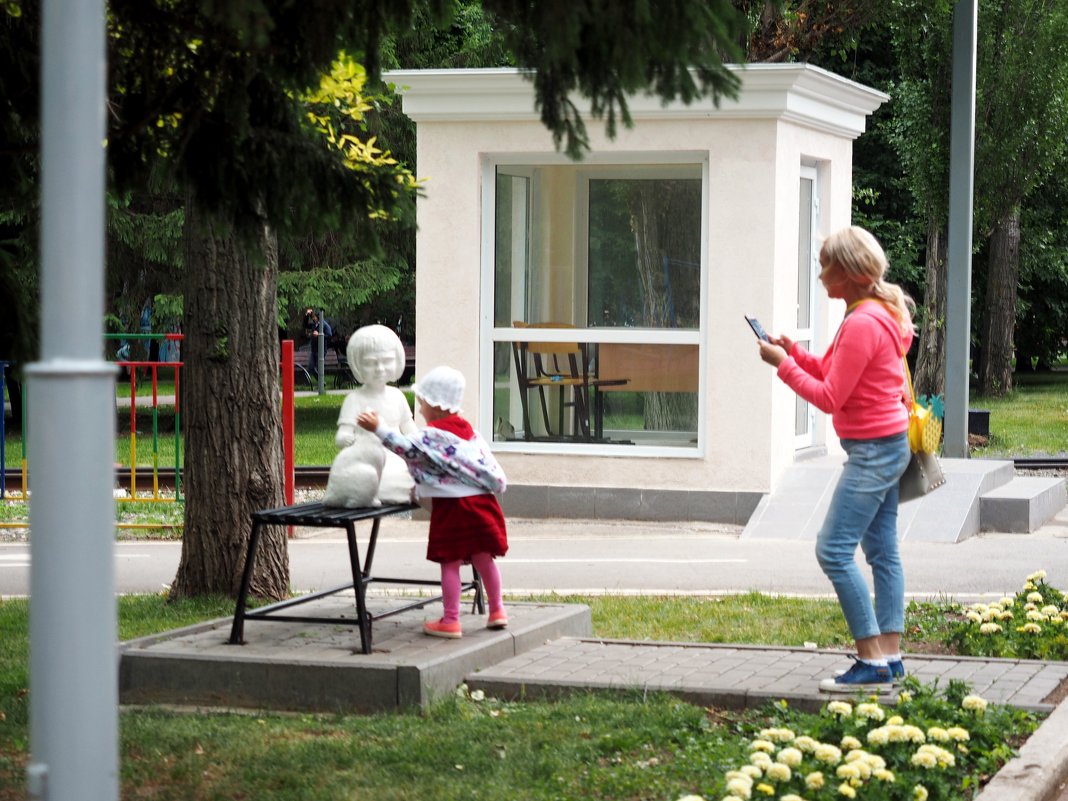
959, 254
320, 347
73, 626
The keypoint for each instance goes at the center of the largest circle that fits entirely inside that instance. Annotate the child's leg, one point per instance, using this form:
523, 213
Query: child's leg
491, 580
450, 591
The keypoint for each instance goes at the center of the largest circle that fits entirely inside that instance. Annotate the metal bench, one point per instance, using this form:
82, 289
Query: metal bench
321, 516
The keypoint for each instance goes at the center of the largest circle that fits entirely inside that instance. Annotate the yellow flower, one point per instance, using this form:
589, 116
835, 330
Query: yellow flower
919, 793
790, 756
762, 745
791, 797
958, 734
766, 789
974, 703
1029, 585
849, 743
879, 736
904, 697
883, 775
846, 790
938, 733
895, 720
814, 780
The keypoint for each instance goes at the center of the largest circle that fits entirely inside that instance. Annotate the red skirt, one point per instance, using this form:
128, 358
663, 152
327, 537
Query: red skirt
462, 527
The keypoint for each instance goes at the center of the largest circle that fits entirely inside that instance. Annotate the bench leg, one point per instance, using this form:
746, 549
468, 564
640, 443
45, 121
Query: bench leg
359, 582
237, 631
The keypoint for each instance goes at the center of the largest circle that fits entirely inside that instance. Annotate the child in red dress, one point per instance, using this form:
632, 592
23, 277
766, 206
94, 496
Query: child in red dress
452, 466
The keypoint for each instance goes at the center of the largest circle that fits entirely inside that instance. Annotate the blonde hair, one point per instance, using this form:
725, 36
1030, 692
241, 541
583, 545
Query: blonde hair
860, 256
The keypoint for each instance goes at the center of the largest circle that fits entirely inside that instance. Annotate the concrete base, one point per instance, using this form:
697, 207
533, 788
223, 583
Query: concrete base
319, 667
953, 512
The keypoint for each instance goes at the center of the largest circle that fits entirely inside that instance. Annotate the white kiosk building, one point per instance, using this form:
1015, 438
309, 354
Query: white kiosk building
596, 307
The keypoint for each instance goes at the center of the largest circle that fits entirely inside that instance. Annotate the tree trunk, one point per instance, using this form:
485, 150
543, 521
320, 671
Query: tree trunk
232, 414
999, 309
656, 221
929, 377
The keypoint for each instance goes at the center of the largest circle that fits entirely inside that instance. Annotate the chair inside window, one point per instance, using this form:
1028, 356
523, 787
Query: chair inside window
563, 366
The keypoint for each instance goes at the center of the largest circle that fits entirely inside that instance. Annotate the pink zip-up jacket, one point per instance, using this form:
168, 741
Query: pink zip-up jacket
860, 381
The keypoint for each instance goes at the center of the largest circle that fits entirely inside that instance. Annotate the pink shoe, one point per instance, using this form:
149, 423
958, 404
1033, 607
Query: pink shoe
497, 620
438, 628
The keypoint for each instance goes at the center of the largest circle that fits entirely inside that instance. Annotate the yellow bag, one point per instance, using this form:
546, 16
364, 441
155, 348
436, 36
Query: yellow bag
925, 428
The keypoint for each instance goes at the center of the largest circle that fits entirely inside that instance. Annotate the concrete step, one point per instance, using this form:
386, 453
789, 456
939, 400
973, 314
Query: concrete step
1022, 505
798, 505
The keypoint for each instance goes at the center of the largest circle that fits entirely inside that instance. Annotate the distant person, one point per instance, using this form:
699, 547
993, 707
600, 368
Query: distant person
314, 327
453, 467
860, 382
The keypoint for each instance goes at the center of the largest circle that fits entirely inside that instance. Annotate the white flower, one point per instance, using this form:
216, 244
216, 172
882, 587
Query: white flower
760, 759
777, 735
919, 793
827, 753
938, 733
478, 695
1038, 575
1034, 597
883, 775
1030, 628
779, 772
691, 798
1007, 602
790, 756
849, 743
924, 759
870, 711
840, 708
742, 789
974, 703
958, 734
762, 745
846, 790
1049, 610
814, 780
974, 617
848, 771
990, 628
752, 771
806, 743
1035, 616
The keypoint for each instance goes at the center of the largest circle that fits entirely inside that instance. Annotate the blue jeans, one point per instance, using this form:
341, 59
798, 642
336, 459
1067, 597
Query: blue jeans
864, 511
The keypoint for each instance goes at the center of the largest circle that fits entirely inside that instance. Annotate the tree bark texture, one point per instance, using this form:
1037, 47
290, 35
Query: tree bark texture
999, 308
929, 376
654, 220
232, 414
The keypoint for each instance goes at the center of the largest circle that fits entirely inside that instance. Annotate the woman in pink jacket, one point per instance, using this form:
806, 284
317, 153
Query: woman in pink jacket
860, 382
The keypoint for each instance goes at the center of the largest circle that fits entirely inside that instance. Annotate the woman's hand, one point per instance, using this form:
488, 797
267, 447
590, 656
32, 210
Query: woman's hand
368, 420
771, 353
783, 342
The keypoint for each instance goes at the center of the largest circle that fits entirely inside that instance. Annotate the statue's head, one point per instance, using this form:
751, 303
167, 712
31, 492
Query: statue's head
375, 348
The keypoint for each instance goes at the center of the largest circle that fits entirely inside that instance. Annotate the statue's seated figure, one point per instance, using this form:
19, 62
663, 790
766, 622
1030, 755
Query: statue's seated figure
363, 472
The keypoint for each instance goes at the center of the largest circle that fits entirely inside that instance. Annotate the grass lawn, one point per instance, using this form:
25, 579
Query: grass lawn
583, 747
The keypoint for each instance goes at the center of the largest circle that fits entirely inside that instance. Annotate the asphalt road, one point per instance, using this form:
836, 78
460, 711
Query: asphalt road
597, 557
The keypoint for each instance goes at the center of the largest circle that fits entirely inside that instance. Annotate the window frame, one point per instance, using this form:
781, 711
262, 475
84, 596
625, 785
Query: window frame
613, 165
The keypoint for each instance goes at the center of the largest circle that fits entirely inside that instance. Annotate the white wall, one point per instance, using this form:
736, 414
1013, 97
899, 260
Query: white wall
754, 149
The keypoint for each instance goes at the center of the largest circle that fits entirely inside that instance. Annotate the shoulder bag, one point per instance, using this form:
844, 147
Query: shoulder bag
924, 472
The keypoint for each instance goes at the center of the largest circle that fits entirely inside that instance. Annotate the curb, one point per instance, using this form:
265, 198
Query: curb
1038, 771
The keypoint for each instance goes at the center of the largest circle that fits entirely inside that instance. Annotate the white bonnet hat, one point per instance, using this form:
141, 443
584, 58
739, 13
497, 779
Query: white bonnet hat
442, 387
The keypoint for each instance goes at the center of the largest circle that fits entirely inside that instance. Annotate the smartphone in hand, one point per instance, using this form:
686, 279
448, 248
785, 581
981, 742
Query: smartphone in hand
758, 329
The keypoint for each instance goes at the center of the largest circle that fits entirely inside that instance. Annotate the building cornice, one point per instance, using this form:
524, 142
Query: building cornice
796, 93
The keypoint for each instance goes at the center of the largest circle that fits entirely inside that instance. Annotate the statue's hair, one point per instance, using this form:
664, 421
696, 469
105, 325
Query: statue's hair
862, 259
374, 337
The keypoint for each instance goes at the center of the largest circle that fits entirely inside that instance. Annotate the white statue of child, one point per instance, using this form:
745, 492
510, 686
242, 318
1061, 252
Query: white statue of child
364, 473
